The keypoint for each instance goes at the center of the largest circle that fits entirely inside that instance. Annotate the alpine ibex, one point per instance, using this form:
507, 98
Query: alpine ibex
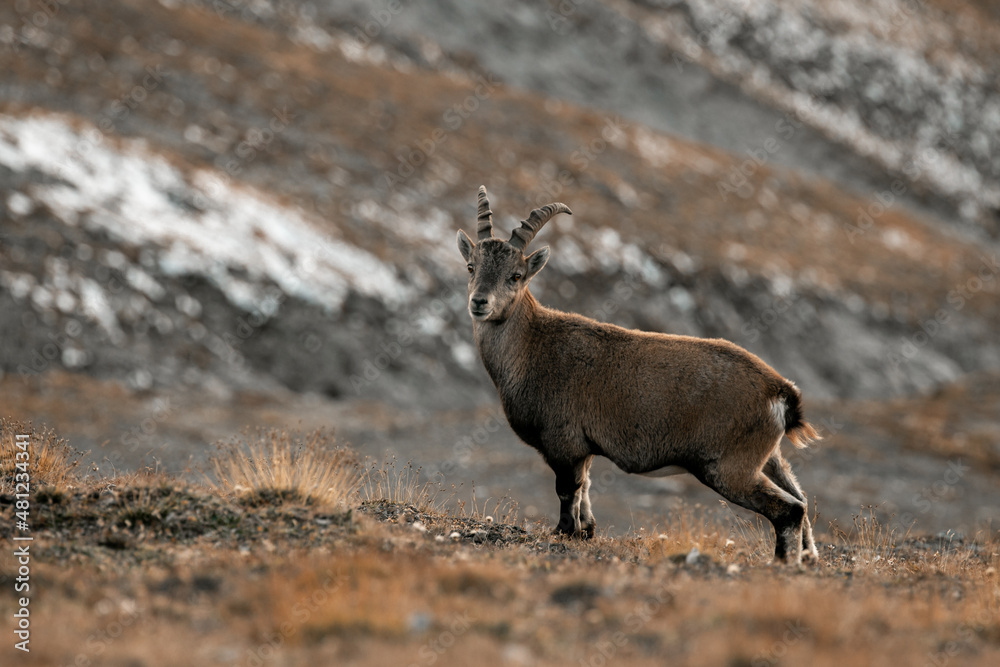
656, 404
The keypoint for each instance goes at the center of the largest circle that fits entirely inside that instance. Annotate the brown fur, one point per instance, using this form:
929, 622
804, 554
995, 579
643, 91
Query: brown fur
574, 388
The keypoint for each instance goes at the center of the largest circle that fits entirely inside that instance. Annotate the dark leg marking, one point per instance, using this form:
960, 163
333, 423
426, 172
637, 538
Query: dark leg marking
572, 483
785, 512
779, 471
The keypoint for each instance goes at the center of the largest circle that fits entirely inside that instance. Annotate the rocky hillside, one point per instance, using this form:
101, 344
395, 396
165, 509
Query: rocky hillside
235, 205
300, 197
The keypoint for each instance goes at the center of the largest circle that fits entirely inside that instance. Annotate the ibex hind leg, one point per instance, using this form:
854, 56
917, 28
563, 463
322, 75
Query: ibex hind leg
779, 471
781, 508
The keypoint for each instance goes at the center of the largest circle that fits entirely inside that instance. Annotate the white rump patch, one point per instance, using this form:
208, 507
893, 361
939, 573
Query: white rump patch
778, 409
666, 471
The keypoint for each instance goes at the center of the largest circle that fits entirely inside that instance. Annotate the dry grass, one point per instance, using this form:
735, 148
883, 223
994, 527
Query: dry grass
272, 464
755, 534
692, 534
52, 463
384, 482
128, 567
872, 543
501, 510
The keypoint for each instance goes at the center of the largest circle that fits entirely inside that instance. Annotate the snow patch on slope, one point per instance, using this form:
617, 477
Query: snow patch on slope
238, 238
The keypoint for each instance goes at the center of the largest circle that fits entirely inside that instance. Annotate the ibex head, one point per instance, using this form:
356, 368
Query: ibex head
498, 270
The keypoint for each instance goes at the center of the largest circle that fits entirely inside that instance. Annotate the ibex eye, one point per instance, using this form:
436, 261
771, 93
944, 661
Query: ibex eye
470, 268
514, 278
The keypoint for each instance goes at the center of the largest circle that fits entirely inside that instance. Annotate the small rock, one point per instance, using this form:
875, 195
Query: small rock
455, 536
579, 593
517, 654
419, 526
692, 557
419, 623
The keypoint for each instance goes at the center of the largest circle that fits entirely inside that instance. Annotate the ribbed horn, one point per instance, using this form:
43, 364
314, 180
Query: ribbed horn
522, 236
485, 224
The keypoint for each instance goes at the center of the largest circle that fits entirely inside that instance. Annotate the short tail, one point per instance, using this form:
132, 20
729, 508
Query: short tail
799, 431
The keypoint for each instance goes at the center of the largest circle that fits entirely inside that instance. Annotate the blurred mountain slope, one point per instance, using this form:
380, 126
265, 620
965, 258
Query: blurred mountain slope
877, 85
385, 156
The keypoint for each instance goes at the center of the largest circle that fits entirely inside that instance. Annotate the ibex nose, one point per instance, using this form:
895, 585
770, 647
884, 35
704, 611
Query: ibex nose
478, 302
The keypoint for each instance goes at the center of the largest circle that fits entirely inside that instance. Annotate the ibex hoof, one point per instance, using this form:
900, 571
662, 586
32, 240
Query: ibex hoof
584, 533
810, 557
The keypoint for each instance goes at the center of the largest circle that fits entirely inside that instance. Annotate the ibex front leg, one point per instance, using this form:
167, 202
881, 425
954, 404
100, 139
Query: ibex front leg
572, 483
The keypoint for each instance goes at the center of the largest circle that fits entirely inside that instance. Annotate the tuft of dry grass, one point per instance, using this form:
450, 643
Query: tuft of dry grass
52, 463
724, 536
697, 532
871, 543
275, 465
755, 534
501, 510
383, 482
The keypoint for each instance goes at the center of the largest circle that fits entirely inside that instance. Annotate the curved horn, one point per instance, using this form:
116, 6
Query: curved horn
485, 224
522, 236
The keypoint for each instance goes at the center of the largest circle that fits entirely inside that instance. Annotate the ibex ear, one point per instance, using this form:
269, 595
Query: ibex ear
536, 261
465, 245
